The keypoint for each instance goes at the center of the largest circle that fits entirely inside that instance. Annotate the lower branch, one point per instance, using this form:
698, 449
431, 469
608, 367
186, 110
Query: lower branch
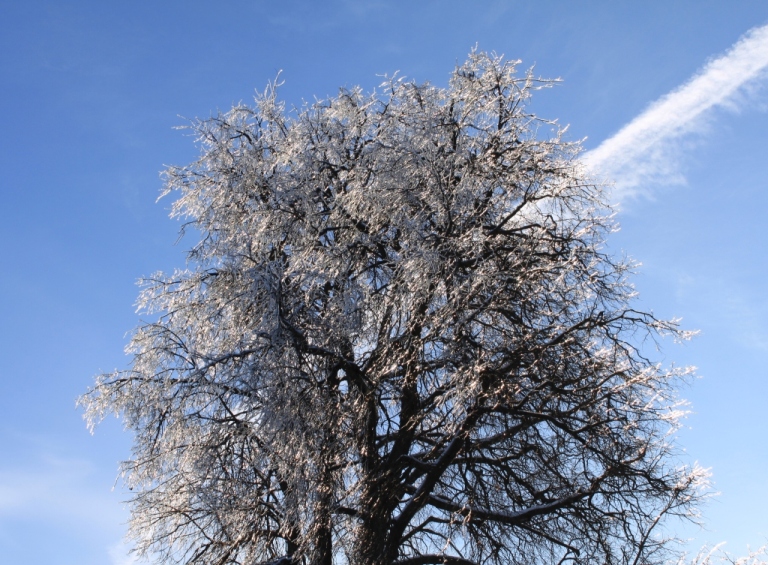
435, 560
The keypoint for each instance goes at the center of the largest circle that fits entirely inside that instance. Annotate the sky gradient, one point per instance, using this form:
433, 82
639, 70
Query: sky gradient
669, 98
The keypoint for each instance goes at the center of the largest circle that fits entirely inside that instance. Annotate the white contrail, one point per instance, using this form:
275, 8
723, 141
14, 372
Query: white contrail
643, 152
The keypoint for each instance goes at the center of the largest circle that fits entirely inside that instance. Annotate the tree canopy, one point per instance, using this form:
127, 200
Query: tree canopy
398, 341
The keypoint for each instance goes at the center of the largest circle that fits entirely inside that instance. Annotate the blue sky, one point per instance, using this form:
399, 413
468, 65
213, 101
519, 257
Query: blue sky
91, 92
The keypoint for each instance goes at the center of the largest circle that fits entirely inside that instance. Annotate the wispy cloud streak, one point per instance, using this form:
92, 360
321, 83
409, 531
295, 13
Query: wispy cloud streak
644, 151
119, 554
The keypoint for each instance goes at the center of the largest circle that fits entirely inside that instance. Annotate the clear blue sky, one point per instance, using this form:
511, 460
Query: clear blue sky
91, 91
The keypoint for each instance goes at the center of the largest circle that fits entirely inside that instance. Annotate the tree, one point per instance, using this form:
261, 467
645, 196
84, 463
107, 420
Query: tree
398, 341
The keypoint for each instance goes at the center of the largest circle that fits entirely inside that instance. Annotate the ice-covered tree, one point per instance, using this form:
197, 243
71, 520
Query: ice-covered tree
399, 340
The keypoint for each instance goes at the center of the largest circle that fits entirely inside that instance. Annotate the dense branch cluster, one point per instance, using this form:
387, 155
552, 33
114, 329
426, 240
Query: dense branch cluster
398, 342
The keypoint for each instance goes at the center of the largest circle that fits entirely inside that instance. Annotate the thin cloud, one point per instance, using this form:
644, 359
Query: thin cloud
58, 492
120, 554
645, 151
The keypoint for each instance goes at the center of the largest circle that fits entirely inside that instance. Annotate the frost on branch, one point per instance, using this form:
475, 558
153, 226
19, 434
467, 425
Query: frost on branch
716, 556
398, 341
